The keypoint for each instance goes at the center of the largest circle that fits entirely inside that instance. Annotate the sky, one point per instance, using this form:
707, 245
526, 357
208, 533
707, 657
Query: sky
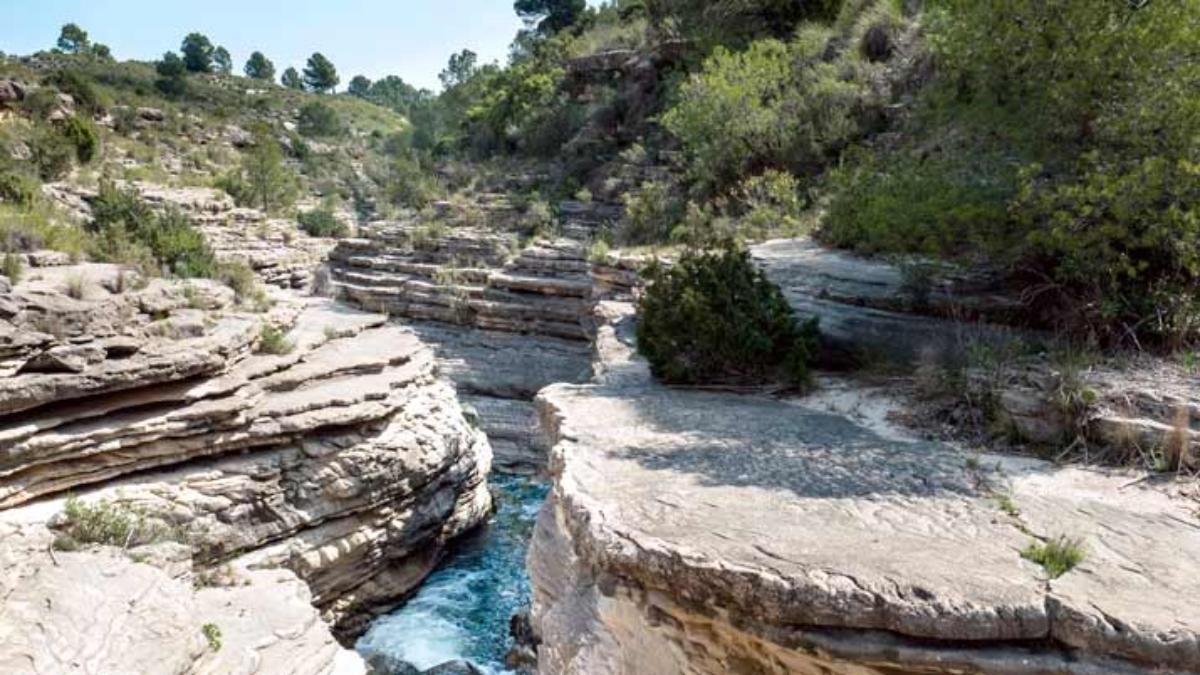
410, 38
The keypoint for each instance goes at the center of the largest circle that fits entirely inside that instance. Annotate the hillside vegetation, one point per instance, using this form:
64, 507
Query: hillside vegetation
1054, 143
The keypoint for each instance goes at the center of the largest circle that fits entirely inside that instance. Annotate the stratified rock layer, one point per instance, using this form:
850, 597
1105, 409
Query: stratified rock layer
702, 532
504, 325
342, 457
871, 309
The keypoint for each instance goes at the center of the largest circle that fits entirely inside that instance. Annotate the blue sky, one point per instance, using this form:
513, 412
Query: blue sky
409, 38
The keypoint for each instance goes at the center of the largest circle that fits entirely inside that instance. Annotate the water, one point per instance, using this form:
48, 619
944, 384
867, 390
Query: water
463, 609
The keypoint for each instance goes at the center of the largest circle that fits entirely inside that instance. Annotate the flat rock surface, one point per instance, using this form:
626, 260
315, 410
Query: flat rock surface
788, 516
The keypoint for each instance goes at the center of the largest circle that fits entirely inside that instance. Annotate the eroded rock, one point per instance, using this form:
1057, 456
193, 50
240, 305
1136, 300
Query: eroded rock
695, 531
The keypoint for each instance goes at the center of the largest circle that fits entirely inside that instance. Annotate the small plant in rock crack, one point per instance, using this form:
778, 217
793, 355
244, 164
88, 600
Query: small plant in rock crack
111, 524
1057, 556
212, 633
272, 340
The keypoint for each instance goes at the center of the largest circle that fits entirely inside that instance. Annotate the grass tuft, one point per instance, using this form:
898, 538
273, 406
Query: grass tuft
1057, 556
274, 341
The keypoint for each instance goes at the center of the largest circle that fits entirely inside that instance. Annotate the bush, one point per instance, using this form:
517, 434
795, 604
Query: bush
771, 204
129, 228
110, 524
1122, 241
262, 181
274, 341
715, 318
942, 207
52, 153
81, 88
19, 189
772, 106
82, 134
318, 119
321, 223
12, 267
650, 215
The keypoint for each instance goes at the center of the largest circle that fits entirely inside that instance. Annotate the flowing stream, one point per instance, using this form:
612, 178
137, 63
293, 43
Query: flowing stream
462, 610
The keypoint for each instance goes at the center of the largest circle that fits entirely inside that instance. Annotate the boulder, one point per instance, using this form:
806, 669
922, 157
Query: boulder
12, 93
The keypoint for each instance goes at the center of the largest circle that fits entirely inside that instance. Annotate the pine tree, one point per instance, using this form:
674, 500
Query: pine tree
320, 75
260, 67
291, 79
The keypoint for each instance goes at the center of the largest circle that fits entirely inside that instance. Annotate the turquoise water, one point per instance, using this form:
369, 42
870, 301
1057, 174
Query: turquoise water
463, 609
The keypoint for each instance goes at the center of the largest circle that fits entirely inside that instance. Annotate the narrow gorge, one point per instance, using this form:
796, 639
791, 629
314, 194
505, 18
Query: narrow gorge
674, 337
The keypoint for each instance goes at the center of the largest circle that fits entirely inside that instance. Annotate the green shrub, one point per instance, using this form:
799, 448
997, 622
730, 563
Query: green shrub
111, 524
53, 153
179, 246
274, 341
128, 230
19, 189
771, 204
318, 119
81, 133
650, 215
1122, 241
715, 318
81, 88
773, 105
932, 207
212, 634
321, 223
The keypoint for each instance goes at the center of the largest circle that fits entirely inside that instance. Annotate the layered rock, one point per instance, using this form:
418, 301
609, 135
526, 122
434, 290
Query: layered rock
274, 248
103, 611
1144, 411
464, 277
342, 456
878, 310
703, 532
504, 325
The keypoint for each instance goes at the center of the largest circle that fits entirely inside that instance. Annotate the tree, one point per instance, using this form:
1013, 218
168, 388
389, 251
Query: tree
291, 79
197, 53
171, 71
393, 92
73, 39
269, 185
260, 67
320, 75
222, 61
550, 16
359, 86
460, 69
102, 52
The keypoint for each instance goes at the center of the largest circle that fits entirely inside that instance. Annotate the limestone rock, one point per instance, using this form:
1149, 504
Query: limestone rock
868, 309
346, 460
653, 553
98, 610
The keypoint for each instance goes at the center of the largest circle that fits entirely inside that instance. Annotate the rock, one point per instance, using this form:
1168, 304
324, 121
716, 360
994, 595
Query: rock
869, 309
454, 668
264, 625
386, 664
65, 359
47, 259
151, 114
346, 464
12, 93
503, 328
652, 553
